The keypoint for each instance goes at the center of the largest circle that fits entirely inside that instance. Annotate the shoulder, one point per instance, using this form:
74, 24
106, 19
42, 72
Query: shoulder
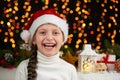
68, 65
24, 62
23, 65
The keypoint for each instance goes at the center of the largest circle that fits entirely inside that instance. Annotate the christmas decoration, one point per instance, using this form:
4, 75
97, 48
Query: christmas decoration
70, 58
11, 58
108, 60
117, 65
87, 59
100, 67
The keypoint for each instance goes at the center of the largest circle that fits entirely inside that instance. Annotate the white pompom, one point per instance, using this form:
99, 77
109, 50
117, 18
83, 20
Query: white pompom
25, 35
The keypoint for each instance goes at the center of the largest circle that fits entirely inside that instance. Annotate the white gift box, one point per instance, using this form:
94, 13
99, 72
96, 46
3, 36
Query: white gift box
108, 59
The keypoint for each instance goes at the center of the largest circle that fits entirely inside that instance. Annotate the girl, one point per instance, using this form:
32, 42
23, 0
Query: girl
48, 32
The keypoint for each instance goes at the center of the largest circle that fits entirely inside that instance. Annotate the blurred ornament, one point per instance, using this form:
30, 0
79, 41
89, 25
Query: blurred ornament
2, 62
25, 47
8, 57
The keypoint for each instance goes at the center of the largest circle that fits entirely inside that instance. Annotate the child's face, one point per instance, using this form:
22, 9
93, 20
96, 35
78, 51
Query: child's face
49, 39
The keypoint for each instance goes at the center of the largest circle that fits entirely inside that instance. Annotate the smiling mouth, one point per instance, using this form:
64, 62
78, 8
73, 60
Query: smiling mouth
49, 45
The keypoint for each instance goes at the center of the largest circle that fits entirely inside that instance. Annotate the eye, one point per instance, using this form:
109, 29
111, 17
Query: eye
56, 33
42, 32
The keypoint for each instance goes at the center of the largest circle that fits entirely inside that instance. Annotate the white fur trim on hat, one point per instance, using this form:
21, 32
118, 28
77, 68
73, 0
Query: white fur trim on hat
49, 18
25, 35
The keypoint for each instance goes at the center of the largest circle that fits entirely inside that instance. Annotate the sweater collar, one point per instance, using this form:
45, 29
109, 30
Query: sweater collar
47, 60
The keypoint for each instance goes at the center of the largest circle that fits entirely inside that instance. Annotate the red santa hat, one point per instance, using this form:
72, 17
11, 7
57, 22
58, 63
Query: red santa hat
41, 17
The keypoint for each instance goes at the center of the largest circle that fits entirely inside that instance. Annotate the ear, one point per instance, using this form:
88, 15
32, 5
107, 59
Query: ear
33, 42
63, 43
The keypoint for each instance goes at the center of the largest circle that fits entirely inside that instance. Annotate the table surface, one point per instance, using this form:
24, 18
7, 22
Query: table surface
113, 75
9, 74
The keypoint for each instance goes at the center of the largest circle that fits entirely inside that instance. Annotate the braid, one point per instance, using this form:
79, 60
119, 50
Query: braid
32, 64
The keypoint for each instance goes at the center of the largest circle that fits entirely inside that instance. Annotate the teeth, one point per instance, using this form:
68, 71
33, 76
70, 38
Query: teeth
49, 45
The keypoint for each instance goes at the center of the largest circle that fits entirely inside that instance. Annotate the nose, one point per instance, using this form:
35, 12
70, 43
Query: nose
49, 37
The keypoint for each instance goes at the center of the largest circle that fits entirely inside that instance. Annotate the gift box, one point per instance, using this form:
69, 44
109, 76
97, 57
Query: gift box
108, 59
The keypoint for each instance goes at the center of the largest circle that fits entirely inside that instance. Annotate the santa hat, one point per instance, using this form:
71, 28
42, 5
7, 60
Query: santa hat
41, 17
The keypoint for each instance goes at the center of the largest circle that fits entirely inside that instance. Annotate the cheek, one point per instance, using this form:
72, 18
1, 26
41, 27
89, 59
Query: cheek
37, 40
61, 41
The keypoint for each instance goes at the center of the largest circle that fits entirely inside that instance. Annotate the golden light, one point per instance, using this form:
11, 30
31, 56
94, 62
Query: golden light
16, 4
77, 9
16, 8
12, 27
14, 12
22, 20
78, 4
66, 46
63, 0
26, 14
71, 35
29, 8
97, 47
78, 42
90, 24
16, 17
83, 25
102, 5
114, 32
47, 2
11, 34
79, 12
1, 22
6, 33
77, 46
71, 11
102, 27
99, 35
116, 9
80, 35
98, 29
24, 7
63, 6
13, 45
10, 9
85, 41
12, 40
26, 3
8, 24
116, 15
112, 41
85, 16
76, 18
98, 39
67, 9
55, 5
102, 31
7, 15
8, 0
100, 23
6, 39
109, 25
110, 7
79, 28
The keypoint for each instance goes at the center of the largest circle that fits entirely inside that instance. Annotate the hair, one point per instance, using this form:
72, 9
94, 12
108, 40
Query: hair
32, 64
